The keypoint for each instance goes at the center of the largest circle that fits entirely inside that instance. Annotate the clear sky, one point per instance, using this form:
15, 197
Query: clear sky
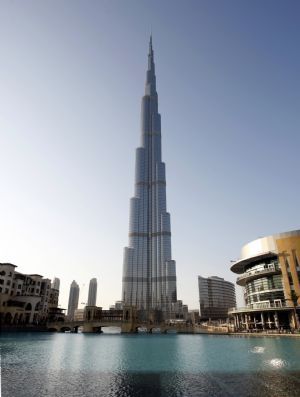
72, 75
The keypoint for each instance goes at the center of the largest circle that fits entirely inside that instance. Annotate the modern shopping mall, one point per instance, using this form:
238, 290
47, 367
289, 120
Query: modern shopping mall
269, 272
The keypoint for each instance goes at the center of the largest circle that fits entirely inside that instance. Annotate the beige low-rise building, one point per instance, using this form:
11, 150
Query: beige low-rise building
79, 315
24, 298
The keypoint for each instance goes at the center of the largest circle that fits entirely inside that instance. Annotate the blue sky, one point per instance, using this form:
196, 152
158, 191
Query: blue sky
72, 75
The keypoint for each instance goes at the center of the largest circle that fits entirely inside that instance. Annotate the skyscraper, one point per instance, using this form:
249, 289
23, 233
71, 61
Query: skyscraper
73, 299
55, 283
149, 273
92, 298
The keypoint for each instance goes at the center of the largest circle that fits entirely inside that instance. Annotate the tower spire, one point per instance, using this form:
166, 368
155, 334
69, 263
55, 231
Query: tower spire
151, 79
150, 45
149, 272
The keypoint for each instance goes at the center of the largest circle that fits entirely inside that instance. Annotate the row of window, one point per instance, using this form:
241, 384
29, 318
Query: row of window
267, 296
264, 283
3, 273
263, 265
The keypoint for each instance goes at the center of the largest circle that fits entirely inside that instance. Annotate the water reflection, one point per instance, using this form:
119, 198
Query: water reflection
257, 350
111, 330
277, 363
94, 365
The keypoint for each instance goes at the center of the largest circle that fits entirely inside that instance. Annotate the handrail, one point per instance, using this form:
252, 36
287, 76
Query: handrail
259, 272
262, 305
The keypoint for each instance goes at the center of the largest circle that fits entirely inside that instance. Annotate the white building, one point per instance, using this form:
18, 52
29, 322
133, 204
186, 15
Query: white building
73, 299
92, 297
55, 283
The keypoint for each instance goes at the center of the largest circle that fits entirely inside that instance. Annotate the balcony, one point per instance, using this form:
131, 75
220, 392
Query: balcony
277, 305
252, 275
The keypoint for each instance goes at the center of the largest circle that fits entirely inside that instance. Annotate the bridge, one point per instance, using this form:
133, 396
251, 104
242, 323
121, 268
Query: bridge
95, 319
97, 327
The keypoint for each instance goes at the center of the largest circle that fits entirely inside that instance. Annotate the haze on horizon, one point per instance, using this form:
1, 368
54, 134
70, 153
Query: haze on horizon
72, 76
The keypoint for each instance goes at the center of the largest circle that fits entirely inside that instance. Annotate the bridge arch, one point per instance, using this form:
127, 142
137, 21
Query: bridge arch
16, 318
8, 318
65, 328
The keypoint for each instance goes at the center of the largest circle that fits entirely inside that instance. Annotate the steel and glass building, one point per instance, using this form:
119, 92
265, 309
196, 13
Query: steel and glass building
269, 272
216, 296
149, 272
92, 297
73, 299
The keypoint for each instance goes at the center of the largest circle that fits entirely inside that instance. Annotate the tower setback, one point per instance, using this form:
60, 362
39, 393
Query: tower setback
149, 273
92, 297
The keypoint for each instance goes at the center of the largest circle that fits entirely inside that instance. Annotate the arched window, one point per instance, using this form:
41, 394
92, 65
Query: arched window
28, 306
8, 318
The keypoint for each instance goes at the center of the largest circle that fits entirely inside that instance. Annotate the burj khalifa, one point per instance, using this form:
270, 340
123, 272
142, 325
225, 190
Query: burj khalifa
149, 273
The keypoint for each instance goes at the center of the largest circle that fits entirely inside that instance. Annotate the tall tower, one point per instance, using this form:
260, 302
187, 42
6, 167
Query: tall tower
149, 273
73, 299
55, 283
92, 298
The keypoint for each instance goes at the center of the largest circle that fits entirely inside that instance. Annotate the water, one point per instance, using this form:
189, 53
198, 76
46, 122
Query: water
53, 364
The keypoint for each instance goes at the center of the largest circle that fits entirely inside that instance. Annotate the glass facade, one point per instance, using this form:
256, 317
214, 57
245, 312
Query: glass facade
265, 289
216, 296
149, 273
269, 272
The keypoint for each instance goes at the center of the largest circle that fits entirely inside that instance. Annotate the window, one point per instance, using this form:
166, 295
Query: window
277, 303
8, 282
1, 281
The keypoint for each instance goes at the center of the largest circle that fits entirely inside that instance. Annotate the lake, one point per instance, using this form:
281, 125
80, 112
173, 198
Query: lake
107, 365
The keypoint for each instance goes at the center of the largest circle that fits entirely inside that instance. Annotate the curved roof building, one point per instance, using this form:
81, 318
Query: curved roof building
269, 271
